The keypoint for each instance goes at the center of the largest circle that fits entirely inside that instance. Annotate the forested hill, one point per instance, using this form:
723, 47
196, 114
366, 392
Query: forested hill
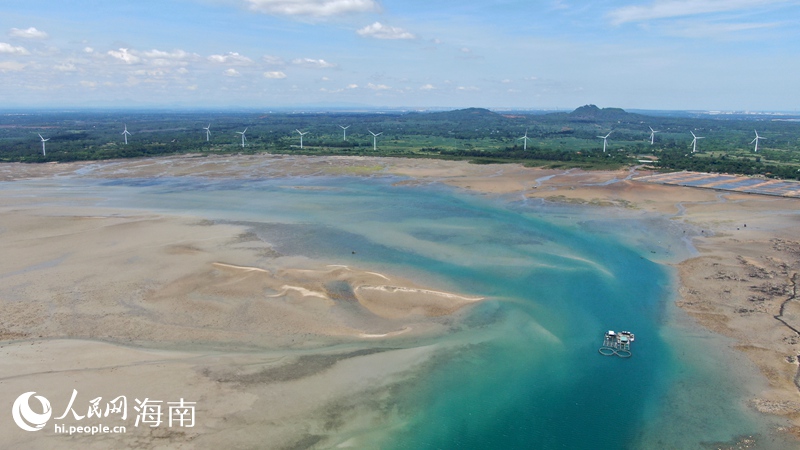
593, 113
466, 115
469, 118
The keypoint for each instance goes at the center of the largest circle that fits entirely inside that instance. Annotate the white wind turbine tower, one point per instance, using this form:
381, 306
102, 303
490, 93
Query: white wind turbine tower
301, 137
126, 133
525, 142
605, 140
754, 140
344, 131
208, 131
652, 135
43, 141
375, 139
694, 141
243, 138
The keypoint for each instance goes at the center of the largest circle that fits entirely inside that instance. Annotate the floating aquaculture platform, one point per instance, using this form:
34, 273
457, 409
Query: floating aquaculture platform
617, 344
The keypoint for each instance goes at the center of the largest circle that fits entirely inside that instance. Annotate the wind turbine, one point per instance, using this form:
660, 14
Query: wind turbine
243, 138
694, 141
208, 131
605, 139
344, 131
375, 139
525, 142
652, 135
754, 140
43, 141
126, 133
301, 137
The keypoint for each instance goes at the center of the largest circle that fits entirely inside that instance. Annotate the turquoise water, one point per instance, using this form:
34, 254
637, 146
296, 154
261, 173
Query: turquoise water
522, 370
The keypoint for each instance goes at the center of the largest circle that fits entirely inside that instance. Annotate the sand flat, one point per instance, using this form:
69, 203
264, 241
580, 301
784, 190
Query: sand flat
67, 272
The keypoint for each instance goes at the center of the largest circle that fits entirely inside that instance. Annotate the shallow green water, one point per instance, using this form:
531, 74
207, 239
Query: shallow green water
523, 371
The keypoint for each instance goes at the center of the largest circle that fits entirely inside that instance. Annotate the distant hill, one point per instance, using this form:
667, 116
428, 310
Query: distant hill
467, 115
591, 113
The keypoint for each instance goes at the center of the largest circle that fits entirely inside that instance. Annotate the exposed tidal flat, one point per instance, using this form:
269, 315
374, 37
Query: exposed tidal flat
364, 303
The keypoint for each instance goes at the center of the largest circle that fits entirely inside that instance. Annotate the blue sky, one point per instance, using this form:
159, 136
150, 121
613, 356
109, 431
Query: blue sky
649, 54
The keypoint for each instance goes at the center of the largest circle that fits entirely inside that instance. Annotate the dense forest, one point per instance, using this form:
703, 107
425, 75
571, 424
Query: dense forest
561, 139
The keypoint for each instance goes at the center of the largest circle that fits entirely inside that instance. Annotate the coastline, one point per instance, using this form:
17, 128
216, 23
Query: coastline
738, 282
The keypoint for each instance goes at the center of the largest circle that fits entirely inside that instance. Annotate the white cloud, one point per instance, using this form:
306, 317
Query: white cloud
325, 79
715, 30
89, 84
159, 54
468, 88
231, 73
231, 58
175, 58
151, 73
378, 87
314, 8
559, 4
8, 48
88, 50
313, 63
11, 66
380, 31
664, 9
29, 33
276, 75
273, 60
427, 87
66, 67
124, 55
352, 86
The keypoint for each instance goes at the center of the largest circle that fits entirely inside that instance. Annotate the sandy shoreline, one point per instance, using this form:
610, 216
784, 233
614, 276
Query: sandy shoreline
742, 285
